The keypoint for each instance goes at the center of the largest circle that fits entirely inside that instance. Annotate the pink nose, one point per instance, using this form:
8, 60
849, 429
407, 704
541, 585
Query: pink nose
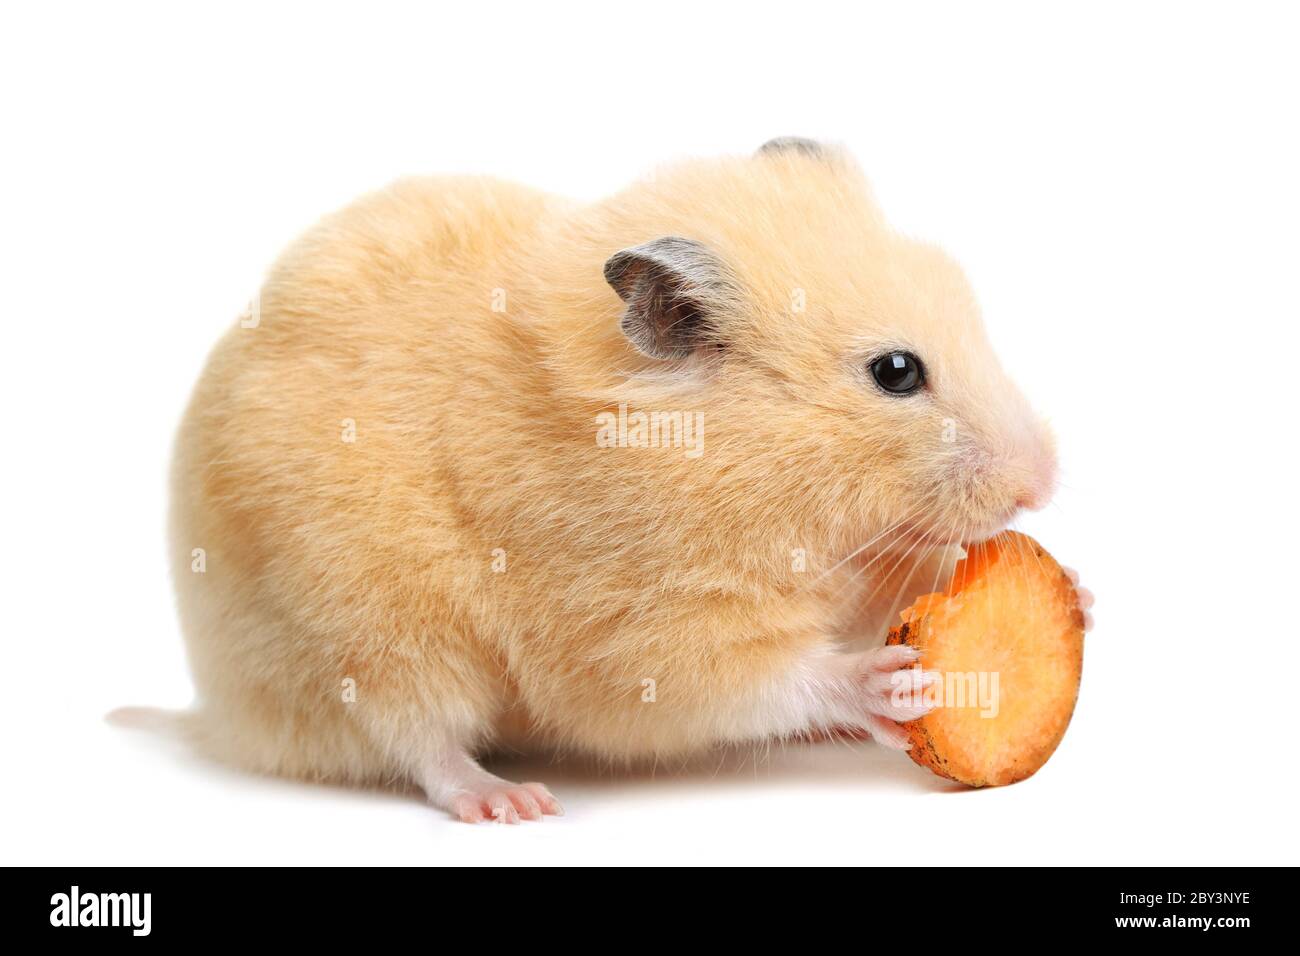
1032, 500
1038, 492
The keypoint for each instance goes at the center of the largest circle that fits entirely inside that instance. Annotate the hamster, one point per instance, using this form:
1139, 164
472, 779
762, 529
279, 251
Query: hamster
484, 467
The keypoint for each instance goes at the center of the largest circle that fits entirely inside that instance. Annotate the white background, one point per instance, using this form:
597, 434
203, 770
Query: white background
1119, 180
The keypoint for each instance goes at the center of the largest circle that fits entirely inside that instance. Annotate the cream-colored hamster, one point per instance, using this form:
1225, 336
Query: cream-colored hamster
485, 467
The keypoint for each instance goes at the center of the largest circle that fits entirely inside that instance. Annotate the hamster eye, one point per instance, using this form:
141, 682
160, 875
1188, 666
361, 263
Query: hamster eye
898, 373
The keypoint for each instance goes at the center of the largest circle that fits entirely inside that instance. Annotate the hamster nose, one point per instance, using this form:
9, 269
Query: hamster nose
1040, 487
1032, 500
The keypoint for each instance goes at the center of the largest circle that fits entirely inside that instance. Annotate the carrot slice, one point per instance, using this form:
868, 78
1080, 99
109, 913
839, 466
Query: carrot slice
1007, 638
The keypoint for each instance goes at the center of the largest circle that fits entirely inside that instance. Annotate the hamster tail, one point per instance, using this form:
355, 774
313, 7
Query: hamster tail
177, 724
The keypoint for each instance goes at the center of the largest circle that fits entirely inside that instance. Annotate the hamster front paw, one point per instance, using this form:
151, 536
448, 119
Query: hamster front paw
1086, 598
892, 692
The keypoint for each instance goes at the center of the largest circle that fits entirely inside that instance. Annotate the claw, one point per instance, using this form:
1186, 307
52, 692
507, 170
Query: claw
1086, 597
888, 734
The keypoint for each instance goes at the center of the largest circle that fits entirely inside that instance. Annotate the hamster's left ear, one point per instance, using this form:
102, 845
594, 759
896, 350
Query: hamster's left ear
794, 144
673, 288
796, 148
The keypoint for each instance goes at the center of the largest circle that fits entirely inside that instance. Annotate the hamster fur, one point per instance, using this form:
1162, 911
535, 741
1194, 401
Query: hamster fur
399, 544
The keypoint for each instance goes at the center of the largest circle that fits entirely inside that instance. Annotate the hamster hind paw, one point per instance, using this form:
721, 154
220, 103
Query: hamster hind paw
505, 802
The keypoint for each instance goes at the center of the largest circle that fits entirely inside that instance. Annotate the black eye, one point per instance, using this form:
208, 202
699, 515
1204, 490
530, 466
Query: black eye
898, 372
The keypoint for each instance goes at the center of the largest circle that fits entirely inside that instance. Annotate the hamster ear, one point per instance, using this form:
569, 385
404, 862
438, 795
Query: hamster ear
672, 287
794, 144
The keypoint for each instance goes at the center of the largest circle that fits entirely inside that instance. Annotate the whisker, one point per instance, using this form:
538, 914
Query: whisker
857, 551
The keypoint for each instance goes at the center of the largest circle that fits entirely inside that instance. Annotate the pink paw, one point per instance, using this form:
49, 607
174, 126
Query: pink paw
1085, 597
506, 803
892, 692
